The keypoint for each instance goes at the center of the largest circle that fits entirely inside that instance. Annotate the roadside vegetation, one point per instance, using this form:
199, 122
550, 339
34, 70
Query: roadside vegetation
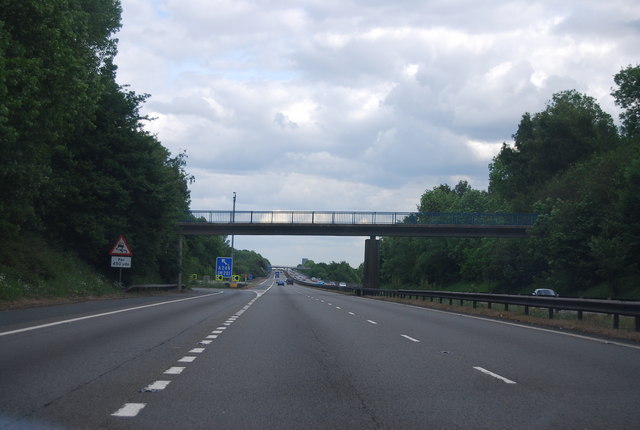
339, 272
580, 173
78, 168
37, 271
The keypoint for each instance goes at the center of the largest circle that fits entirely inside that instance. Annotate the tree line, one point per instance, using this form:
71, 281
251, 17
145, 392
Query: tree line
571, 165
78, 168
338, 272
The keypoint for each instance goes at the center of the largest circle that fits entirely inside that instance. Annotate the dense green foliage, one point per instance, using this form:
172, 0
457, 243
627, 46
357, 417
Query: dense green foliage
338, 272
48, 272
78, 169
572, 166
247, 262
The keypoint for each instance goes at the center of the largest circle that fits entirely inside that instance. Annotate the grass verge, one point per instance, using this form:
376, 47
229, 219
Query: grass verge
34, 271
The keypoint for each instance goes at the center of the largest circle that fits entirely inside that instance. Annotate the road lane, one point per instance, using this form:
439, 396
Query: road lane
65, 371
578, 381
303, 358
295, 357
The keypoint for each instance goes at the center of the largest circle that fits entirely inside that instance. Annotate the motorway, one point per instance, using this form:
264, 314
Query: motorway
293, 357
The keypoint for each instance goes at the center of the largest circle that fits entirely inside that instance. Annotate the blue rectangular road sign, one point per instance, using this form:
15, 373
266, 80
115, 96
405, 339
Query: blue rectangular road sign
224, 266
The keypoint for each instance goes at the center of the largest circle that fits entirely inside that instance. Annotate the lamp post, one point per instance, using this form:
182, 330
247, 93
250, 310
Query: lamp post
233, 220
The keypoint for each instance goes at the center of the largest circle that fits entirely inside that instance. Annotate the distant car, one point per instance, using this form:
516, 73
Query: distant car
544, 292
290, 281
280, 282
319, 282
342, 284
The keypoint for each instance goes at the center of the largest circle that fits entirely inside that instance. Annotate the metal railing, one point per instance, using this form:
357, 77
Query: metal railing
359, 218
615, 308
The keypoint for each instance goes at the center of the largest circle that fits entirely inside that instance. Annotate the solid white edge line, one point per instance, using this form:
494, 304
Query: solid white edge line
410, 338
129, 410
495, 375
545, 330
104, 314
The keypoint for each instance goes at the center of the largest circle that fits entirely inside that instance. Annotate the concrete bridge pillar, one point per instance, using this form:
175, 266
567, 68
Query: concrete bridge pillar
371, 263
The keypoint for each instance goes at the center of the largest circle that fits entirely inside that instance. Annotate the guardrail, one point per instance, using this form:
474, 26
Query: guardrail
615, 308
151, 287
358, 218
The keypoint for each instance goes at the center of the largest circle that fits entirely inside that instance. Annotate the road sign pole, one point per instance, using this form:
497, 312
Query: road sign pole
179, 262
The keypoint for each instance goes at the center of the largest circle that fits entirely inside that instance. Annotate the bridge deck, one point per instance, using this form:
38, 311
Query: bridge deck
322, 223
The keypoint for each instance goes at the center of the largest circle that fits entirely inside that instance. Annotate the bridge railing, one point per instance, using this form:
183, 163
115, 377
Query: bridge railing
355, 218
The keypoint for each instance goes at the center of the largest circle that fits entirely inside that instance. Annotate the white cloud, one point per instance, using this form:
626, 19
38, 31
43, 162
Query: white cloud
357, 104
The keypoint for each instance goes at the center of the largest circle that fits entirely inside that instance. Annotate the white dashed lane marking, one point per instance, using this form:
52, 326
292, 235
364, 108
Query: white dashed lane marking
156, 386
410, 338
372, 322
129, 410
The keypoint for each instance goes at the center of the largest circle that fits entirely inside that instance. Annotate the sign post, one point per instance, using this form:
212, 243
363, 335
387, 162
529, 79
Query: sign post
121, 256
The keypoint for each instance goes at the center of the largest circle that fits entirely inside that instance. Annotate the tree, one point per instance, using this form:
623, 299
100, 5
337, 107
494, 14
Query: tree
627, 96
570, 129
432, 261
341, 272
51, 53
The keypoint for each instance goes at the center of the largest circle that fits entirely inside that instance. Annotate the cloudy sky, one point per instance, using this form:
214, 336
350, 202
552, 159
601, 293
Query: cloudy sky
357, 104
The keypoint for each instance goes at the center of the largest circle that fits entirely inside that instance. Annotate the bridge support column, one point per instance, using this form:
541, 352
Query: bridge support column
371, 263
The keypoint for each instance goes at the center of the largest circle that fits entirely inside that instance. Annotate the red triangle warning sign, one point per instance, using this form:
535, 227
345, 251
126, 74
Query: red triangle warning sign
121, 248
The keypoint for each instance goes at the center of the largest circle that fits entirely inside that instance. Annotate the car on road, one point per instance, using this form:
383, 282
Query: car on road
290, 281
342, 284
544, 292
280, 282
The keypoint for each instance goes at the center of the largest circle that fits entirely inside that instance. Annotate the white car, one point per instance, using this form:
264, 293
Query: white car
342, 284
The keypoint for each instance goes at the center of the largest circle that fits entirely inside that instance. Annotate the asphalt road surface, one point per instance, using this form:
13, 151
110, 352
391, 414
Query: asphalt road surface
292, 357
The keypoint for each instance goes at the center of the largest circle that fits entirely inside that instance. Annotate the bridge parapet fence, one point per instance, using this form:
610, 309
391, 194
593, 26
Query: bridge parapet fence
360, 218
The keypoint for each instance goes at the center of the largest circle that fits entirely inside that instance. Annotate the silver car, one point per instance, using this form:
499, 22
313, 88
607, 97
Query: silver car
544, 292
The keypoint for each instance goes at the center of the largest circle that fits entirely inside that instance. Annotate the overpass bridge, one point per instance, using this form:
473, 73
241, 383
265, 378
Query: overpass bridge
372, 224
324, 223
